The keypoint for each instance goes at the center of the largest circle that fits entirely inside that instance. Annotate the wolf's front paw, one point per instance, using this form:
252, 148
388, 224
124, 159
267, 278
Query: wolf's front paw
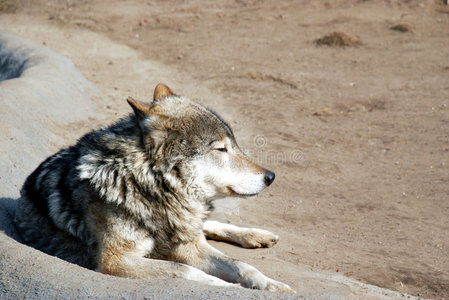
258, 238
276, 286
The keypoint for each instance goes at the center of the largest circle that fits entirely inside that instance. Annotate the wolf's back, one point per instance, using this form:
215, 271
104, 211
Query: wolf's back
50, 213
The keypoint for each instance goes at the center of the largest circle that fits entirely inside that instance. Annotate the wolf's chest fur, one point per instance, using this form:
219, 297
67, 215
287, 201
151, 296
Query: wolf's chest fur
124, 175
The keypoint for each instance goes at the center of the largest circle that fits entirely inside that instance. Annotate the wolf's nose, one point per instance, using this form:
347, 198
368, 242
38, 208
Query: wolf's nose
269, 177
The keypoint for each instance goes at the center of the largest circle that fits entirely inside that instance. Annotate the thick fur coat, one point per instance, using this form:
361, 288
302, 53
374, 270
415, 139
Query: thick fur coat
132, 199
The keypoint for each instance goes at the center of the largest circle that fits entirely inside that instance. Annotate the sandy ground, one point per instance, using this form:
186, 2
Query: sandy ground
358, 136
48, 106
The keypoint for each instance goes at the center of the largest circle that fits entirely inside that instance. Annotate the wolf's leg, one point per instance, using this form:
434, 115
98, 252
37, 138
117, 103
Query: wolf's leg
125, 259
123, 246
246, 237
204, 257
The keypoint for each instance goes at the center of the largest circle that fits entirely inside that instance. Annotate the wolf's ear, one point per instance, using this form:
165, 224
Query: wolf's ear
141, 109
162, 91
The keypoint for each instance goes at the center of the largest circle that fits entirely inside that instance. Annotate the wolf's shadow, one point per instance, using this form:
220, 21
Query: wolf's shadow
7, 214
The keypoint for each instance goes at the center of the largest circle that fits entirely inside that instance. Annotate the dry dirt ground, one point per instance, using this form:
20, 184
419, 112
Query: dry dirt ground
358, 135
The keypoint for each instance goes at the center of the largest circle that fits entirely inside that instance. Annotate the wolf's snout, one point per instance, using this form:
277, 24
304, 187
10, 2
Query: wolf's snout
269, 177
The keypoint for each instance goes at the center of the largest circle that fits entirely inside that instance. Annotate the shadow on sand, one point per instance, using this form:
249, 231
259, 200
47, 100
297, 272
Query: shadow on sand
7, 214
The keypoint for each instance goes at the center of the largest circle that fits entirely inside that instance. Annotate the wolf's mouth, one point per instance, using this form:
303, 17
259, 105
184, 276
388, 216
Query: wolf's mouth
235, 194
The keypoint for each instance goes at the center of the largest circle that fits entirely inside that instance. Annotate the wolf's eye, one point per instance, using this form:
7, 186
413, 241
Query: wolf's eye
222, 149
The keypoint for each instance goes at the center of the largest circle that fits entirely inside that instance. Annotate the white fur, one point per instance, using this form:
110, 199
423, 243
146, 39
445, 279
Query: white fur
144, 246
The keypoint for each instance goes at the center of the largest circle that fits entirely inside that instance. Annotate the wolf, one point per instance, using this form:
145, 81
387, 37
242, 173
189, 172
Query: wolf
132, 199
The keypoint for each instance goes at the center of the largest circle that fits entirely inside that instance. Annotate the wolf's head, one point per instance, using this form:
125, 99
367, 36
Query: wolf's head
195, 150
